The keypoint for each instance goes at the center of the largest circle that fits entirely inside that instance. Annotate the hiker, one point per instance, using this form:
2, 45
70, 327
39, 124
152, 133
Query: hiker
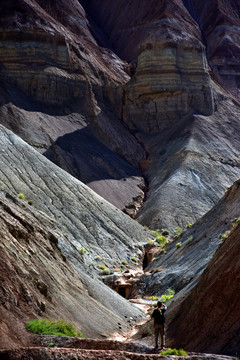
158, 323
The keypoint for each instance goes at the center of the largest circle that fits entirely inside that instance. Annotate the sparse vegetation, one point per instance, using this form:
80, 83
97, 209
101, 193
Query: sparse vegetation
82, 251
124, 262
178, 245
134, 259
21, 196
190, 239
53, 327
102, 267
161, 240
179, 352
105, 272
169, 294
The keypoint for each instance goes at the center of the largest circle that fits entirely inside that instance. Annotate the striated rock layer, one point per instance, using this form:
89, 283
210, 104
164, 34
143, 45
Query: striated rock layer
60, 90
171, 81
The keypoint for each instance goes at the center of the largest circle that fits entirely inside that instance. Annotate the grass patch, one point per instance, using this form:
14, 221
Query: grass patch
52, 327
179, 352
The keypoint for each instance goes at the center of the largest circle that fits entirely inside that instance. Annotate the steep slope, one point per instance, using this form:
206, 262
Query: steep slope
208, 318
184, 120
112, 124
179, 267
60, 217
56, 81
191, 165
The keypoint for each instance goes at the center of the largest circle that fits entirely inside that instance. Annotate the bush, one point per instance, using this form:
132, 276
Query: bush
170, 351
161, 240
178, 245
52, 327
105, 272
21, 196
169, 294
82, 251
134, 259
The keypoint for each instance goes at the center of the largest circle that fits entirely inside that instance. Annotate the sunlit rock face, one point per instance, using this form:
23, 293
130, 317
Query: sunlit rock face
171, 81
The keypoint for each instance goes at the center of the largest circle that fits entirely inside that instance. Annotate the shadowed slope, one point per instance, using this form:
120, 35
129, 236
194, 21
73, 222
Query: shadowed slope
208, 318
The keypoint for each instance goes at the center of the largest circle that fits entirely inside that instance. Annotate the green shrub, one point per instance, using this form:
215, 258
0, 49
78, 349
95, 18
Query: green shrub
134, 259
102, 267
82, 251
178, 245
105, 272
21, 196
170, 351
161, 240
169, 294
52, 327
124, 262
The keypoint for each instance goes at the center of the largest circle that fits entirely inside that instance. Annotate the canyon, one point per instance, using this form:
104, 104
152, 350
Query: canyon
118, 119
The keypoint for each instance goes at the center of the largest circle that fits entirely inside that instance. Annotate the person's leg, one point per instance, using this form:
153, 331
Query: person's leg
156, 333
162, 335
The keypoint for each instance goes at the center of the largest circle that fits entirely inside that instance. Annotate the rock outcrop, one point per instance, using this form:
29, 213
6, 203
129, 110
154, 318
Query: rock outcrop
171, 82
207, 318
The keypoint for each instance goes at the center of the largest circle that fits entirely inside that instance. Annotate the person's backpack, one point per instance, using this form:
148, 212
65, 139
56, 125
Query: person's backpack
159, 316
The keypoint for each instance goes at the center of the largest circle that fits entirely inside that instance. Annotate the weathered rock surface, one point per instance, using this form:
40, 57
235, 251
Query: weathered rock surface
51, 249
190, 166
180, 267
208, 317
56, 82
67, 96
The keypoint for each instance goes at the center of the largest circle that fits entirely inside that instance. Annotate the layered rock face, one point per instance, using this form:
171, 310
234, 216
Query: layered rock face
57, 81
171, 81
